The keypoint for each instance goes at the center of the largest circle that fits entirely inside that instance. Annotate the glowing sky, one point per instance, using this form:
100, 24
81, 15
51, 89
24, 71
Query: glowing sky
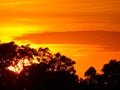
19, 17
22, 19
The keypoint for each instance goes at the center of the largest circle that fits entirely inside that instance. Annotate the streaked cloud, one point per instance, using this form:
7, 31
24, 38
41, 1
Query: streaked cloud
59, 15
108, 40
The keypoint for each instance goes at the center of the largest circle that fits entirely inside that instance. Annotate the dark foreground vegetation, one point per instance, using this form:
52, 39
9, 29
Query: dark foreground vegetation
54, 72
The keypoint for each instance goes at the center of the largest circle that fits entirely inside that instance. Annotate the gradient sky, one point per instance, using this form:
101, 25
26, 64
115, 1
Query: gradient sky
28, 20
18, 17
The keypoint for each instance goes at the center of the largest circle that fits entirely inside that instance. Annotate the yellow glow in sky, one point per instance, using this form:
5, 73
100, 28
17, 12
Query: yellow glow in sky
8, 32
62, 15
19, 17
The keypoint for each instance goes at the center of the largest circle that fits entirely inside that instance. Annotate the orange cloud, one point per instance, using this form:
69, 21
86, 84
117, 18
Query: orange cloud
108, 40
59, 15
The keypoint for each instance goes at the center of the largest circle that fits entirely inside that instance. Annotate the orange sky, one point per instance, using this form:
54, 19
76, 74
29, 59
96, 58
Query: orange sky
19, 19
26, 16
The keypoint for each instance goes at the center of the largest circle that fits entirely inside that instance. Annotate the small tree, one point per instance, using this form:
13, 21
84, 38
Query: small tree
91, 72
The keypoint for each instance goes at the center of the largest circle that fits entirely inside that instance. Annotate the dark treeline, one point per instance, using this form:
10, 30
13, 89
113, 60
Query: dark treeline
54, 72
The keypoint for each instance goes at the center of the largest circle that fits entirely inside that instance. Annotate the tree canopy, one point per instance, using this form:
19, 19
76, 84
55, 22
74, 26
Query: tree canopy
26, 68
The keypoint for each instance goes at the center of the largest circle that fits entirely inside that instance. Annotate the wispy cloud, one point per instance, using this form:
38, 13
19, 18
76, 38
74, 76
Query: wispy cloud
62, 15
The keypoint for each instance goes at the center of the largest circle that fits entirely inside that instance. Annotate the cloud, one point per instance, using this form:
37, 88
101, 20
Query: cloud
63, 14
7, 32
108, 40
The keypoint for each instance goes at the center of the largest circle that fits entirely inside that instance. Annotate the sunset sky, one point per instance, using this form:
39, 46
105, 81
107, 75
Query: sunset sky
18, 17
92, 22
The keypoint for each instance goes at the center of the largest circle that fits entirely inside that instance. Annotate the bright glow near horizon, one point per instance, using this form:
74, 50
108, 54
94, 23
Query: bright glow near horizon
17, 68
8, 32
21, 17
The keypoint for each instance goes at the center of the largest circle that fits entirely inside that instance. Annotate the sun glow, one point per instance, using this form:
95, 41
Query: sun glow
17, 30
17, 68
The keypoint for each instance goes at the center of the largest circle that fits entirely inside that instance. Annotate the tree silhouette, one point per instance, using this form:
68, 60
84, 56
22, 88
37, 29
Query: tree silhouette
47, 71
91, 72
90, 81
42, 70
112, 68
109, 80
112, 74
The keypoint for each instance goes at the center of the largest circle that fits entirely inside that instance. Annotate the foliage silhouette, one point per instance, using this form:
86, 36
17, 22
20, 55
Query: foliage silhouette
109, 80
51, 71
91, 72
